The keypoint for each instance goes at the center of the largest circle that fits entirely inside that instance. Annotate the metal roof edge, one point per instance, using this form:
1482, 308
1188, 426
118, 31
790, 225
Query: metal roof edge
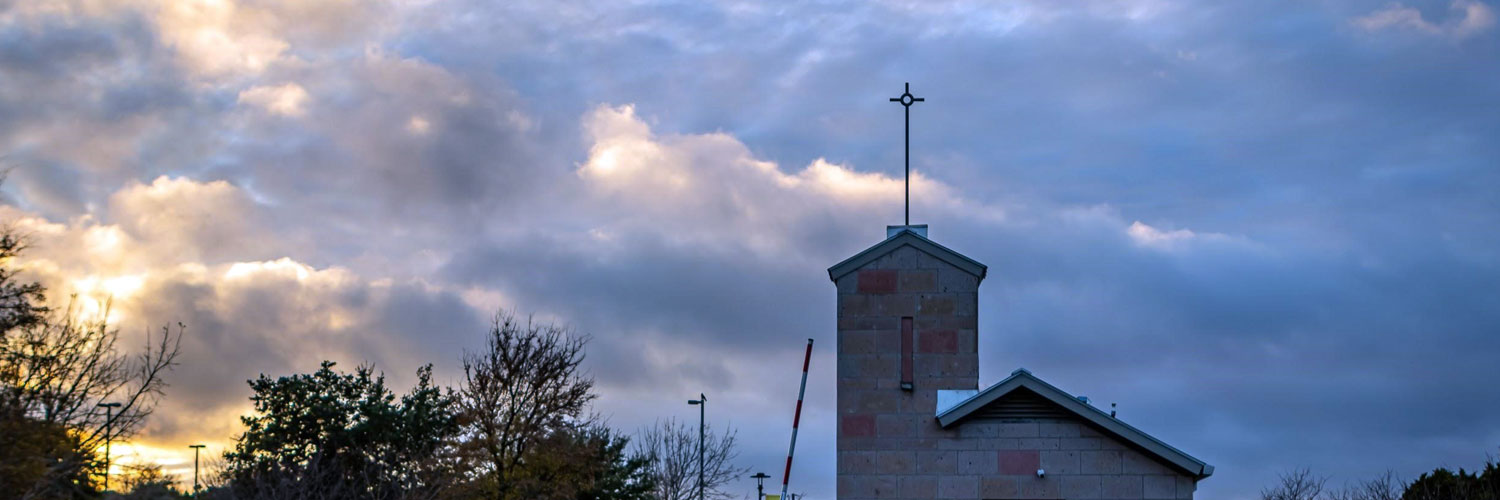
905, 238
1023, 378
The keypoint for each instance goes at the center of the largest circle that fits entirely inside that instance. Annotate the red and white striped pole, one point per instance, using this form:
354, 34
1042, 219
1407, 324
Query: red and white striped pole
796, 418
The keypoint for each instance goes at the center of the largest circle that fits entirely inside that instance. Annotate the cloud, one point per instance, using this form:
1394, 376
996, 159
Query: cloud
1247, 234
1467, 18
286, 99
177, 253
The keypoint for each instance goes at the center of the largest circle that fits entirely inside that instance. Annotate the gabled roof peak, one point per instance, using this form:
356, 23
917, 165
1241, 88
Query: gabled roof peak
915, 237
955, 406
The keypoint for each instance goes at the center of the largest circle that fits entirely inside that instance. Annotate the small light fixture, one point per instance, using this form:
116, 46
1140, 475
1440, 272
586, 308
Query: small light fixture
1041, 473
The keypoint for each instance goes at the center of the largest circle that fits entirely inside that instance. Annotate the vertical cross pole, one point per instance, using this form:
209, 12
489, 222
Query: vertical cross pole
906, 100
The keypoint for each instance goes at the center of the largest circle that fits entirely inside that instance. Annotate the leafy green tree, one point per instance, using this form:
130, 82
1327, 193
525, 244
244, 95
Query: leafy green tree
1443, 484
342, 435
587, 462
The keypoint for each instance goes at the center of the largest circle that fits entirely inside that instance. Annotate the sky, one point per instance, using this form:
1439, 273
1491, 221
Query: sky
1267, 230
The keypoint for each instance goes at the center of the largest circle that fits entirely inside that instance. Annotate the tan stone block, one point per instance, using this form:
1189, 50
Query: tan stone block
1081, 487
1058, 429
966, 304
895, 462
937, 462
847, 284
960, 444
898, 304
979, 429
846, 443
1079, 443
895, 425
1185, 487
921, 401
918, 280
1108, 443
856, 462
1001, 444
977, 462
1061, 462
940, 304
888, 341
1039, 487
1136, 463
1122, 487
927, 261
857, 342
918, 487
1018, 430
968, 341
998, 487
954, 280
869, 323
1100, 462
855, 305
1041, 443
1159, 487
929, 428
901, 258
965, 487
946, 322
885, 487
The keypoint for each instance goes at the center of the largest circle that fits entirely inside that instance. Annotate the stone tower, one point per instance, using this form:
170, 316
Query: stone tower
907, 328
913, 423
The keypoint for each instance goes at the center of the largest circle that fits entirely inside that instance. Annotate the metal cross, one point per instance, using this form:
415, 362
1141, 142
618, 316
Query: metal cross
906, 100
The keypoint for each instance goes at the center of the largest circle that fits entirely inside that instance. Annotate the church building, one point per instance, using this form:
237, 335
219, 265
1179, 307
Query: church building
914, 423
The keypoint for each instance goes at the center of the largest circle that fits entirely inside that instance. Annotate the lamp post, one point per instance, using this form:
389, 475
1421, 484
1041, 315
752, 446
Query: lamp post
196, 448
702, 402
760, 485
109, 421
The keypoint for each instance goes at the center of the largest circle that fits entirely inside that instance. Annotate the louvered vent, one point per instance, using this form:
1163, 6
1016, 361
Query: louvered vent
1022, 404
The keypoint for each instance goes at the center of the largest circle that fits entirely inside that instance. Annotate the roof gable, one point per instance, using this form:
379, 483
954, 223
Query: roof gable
904, 238
1022, 386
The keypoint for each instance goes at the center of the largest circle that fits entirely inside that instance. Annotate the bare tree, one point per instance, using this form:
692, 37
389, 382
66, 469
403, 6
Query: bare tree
54, 374
1299, 484
525, 384
672, 447
1384, 487
20, 302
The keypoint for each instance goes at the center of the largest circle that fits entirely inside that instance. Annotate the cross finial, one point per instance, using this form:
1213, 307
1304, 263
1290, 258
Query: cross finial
906, 100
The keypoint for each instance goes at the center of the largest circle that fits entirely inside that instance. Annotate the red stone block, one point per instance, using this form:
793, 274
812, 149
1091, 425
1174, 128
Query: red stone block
1020, 461
938, 342
877, 281
857, 425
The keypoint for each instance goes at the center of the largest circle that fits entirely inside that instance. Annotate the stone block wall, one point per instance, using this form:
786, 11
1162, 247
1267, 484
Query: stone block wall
999, 460
889, 443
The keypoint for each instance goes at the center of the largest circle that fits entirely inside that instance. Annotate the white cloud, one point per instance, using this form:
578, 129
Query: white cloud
286, 99
1467, 18
707, 186
1145, 235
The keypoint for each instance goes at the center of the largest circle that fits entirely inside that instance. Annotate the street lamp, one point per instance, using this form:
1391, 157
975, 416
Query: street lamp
760, 485
196, 448
109, 421
702, 402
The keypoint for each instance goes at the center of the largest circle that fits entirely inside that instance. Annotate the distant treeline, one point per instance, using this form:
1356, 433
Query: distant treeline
1440, 484
518, 426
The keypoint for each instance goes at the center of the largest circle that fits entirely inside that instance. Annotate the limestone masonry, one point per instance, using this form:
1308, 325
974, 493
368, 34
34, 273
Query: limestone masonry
907, 329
